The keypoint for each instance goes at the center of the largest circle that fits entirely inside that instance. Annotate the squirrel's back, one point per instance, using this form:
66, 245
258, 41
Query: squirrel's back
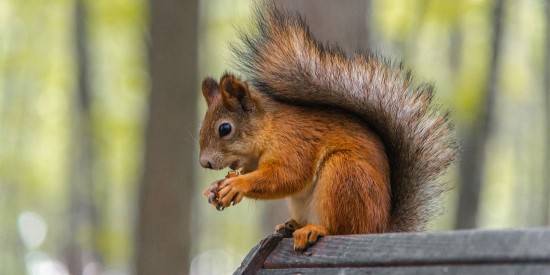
283, 60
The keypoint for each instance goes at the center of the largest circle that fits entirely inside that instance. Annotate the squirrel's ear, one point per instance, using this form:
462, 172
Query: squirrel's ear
210, 89
235, 92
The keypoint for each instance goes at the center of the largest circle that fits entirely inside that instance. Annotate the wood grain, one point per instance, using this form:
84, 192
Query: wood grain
255, 258
468, 247
421, 270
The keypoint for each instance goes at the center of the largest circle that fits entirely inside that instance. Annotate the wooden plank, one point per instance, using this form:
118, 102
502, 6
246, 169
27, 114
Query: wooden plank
420, 270
398, 249
256, 257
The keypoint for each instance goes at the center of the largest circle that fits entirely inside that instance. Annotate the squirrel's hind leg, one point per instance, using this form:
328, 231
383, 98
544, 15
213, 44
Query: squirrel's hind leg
289, 226
308, 235
303, 236
353, 195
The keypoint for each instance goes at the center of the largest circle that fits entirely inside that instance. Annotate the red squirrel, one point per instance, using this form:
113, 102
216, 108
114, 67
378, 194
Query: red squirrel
353, 143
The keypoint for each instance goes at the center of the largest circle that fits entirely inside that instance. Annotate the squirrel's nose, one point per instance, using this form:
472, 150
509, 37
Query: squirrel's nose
205, 163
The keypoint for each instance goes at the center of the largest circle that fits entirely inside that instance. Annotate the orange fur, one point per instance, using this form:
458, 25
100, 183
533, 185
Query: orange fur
323, 156
353, 143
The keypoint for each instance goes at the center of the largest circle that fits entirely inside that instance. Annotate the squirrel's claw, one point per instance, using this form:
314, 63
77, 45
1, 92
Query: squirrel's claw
223, 193
211, 194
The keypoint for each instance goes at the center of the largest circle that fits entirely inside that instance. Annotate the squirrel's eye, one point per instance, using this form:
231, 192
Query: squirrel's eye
225, 129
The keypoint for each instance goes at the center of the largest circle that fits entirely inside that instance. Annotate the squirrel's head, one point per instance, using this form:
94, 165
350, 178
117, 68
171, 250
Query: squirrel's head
230, 129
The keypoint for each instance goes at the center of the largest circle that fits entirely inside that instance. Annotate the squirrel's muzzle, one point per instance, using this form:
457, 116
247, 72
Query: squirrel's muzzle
205, 163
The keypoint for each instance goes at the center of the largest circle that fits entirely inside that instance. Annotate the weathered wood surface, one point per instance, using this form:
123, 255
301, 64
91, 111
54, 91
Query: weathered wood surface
256, 257
515, 251
457, 247
420, 270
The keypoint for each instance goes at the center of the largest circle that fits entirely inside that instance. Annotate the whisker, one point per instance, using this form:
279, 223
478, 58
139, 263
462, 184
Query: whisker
193, 136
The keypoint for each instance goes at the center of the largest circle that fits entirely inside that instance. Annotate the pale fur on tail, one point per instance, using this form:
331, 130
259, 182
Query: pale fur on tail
282, 59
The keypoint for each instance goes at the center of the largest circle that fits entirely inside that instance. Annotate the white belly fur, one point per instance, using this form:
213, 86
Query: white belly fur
303, 208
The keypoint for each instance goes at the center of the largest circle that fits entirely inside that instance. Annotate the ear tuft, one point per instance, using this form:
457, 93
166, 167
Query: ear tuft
234, 91
210, 89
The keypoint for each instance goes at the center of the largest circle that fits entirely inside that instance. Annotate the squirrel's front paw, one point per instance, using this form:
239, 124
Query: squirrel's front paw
229, 191
211, 194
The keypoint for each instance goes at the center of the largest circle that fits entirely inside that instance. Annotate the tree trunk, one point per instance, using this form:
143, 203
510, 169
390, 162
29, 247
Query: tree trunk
344, 23
163, 237
473, 158
546, 97
82, 217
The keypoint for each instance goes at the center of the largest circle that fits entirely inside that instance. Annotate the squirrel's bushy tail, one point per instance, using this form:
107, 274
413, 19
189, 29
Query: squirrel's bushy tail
282, 59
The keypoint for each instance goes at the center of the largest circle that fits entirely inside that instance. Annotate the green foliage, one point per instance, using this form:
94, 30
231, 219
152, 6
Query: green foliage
37, 97
444, 42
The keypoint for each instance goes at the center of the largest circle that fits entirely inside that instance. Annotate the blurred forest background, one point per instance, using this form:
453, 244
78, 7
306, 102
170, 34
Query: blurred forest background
100, 109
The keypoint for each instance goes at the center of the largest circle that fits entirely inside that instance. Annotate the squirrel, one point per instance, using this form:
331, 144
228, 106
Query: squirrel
352, 142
